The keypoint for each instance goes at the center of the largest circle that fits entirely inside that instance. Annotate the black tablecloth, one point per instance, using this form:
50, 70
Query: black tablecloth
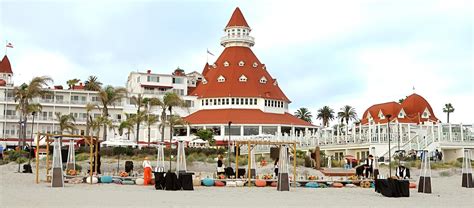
186, 181
159, 180
392, 187
172, 183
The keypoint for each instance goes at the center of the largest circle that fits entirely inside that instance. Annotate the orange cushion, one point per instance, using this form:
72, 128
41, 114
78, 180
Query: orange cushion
274, 184
337, 185
219, 183
260, 183
412, 185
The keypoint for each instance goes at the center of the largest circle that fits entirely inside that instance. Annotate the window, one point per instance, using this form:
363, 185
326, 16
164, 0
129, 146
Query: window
237, 101
178, 80
250, 130
246, 101
227, 101
255, 65
226, 64
263, 80
215, 102
214, 66
221, 79
241, 63
266, 103
271, 130
218, 101
138, 79
202, 102
207, 102
153, 79
255, 101
204, 81
216, 130
233, 101
243, 78
189, 103
234, 130
241, 101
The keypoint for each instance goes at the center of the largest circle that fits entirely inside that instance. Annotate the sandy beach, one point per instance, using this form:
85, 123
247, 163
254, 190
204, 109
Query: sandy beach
19, 190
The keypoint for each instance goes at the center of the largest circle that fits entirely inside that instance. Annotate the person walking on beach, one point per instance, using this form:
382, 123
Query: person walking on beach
369, 170
146, 171
276, 166
220, 165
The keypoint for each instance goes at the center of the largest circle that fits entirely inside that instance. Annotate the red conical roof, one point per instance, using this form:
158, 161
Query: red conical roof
5, 66
232, 87
237, 19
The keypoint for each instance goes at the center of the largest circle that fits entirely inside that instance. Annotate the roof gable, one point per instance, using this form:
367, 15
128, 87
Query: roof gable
5, 66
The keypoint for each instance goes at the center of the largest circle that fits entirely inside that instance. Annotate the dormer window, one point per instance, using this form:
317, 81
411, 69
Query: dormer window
241, 63
263, 67
226, 64
275, 83
401, 114
263, 80
204, 81
426, 113
381, 116
243, 78
221, 79
214, 66
255, 65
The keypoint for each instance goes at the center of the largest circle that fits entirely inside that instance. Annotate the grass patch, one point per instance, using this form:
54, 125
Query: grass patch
82, 156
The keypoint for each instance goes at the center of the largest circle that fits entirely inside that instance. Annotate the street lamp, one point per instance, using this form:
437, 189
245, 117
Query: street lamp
389, 150
228, 145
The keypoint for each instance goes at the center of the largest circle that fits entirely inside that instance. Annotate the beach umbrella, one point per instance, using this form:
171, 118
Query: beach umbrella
71, 156
58, 178
283, 179
181, 160
253, 164
160, 158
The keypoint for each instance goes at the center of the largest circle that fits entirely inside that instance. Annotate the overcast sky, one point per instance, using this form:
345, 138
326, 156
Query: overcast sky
334, 53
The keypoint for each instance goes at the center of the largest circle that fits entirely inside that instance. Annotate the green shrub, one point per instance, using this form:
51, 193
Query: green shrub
82, 156
21, 160
13, 155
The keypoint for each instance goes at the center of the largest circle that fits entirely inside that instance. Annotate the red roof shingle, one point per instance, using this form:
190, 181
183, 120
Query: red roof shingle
5, 66
243, 116
232, 87
237, 19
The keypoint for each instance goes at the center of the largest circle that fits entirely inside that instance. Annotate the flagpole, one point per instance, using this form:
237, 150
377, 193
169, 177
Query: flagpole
6, 43
207, 56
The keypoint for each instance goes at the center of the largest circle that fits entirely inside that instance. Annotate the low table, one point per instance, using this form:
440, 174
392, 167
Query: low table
393, 187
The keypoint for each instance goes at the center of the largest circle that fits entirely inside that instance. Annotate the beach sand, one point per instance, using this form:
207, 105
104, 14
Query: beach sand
19, 190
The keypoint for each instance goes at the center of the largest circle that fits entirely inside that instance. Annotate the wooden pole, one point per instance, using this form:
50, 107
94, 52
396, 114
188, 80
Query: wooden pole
37, 158
96, 145
47, 158
294, 165
90, 158
248, 169
237, 147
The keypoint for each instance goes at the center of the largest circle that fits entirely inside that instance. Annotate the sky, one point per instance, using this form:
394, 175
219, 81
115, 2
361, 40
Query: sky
333, 53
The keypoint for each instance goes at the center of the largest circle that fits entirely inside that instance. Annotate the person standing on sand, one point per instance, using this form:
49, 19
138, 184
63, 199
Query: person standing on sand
146, 171
220, 165
276, 167
370, 166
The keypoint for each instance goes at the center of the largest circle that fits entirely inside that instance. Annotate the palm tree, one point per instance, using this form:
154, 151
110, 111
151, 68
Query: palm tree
448, 108
150, 120
66, 122
172, 99
128, 125
109, 96
326, 114
92, 84
89, 108
140, 116
24, 95
347, 113
72, 82
304, 114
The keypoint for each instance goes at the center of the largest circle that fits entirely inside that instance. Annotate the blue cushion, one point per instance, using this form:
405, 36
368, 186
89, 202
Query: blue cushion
312, 185
106, 179
208, 182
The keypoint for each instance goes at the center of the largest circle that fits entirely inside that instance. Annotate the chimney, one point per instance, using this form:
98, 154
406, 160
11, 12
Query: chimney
148, 71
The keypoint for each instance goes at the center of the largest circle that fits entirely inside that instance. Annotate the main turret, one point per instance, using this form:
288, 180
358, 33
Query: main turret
237, 31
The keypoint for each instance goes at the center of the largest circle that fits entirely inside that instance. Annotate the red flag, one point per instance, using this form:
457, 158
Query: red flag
9, 45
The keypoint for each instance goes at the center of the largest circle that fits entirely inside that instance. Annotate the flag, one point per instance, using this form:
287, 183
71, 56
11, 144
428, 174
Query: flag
9, 45
209, 52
